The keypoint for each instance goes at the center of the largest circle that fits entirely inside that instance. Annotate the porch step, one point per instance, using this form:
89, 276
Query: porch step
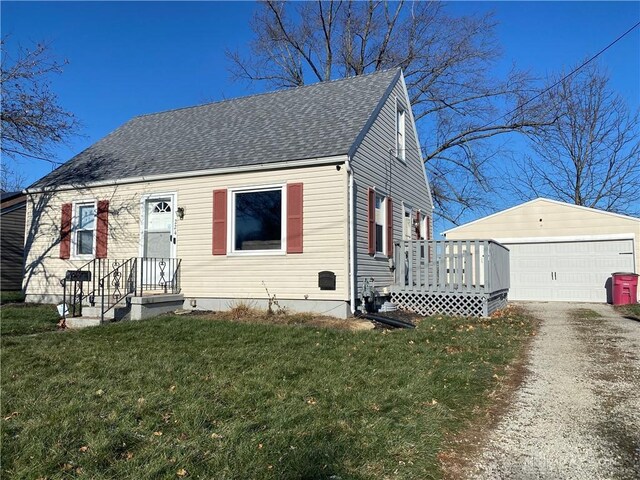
121, 312
82, 322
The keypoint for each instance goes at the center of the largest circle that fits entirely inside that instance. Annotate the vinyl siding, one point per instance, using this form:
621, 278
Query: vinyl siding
12, 246
291, 276
404, 181
543, 218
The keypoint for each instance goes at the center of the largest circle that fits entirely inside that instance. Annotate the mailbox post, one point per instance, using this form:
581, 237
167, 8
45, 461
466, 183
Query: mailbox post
77, 279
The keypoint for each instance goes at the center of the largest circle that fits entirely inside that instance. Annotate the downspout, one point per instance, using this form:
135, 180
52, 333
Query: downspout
352, 234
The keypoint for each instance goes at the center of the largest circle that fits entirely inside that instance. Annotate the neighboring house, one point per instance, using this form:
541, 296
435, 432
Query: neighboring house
302, 192
560, 251
12, 215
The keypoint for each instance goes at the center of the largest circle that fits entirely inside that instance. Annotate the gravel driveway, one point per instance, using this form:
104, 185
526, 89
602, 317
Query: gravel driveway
577, 414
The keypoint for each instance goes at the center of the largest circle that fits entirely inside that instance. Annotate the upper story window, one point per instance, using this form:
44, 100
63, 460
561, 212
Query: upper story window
257, 220
400, 134
380, 223
84, 229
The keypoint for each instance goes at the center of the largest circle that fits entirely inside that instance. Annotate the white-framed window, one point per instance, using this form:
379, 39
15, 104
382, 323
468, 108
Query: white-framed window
84, 229
424, 226
407, 223
381, 223
400, 133
257, 220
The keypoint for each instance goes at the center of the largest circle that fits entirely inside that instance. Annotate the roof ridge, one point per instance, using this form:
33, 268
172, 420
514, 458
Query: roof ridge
272, 92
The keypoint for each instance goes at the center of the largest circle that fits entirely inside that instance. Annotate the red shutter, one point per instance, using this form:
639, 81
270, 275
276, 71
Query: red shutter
389, 249
102, 229
220, 222
294, 217
428, 228
371, 215
418, 221
65, 231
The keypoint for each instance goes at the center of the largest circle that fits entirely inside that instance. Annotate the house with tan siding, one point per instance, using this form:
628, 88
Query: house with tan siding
298, 194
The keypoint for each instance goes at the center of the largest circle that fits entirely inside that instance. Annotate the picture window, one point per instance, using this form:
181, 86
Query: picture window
257, 220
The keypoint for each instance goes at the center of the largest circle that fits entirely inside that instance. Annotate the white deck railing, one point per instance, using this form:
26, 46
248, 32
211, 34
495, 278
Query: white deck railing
451, 266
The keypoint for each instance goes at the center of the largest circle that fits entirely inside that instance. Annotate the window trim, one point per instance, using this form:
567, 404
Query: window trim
385, 205
231, 220
75, 217
401, 128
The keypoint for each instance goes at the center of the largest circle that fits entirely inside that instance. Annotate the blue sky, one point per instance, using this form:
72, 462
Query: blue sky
131, 58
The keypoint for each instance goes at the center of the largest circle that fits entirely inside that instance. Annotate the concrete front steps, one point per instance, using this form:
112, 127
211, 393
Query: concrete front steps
82, 322
133, 308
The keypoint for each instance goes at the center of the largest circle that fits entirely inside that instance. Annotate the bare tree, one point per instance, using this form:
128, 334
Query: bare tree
591, 155
32, 118
447, 62
10, 179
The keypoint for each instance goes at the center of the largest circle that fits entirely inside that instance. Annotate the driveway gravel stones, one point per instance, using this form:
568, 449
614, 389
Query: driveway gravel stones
577, 413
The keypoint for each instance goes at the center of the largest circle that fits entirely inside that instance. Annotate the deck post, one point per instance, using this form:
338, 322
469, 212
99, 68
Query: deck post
487, 266
459, 265
410, 272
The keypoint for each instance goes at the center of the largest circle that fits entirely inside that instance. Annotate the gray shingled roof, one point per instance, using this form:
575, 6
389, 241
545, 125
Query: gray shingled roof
318, 120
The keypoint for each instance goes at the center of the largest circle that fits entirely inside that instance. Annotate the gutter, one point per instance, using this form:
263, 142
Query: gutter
352, 234
308, 162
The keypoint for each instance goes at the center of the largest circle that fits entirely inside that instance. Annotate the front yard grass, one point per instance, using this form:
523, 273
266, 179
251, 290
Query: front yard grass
630, 311
199, 397
27, 318
11, 296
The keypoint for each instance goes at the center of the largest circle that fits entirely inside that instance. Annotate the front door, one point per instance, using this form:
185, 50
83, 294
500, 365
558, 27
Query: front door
158, 242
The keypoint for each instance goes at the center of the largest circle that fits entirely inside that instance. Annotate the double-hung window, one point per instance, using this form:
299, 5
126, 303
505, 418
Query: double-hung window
84, 229
257, 217
380, 223
400, 136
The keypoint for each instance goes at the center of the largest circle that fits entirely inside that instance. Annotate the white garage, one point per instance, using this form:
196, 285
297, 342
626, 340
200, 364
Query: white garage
572, 270
558, 251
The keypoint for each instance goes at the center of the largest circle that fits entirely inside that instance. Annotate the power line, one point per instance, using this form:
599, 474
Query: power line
575, 70
35, 157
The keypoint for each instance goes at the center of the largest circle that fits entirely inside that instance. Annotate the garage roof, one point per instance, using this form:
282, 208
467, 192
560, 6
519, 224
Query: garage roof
541, 200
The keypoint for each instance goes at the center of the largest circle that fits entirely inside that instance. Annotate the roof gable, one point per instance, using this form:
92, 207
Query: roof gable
538, 201
314, 121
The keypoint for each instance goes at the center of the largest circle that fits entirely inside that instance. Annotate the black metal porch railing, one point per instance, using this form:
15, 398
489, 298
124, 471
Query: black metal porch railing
77, 293
112, 281
159, 274
137, 276
118, 284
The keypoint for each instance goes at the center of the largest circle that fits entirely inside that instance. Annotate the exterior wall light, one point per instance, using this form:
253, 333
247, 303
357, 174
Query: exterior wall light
180, 212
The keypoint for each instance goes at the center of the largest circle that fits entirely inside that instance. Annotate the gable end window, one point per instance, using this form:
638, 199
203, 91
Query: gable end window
84, 229
400, 134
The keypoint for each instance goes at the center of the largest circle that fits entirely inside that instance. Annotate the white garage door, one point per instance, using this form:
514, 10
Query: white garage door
567, 271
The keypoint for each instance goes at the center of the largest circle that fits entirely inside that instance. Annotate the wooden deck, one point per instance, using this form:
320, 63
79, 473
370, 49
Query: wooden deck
460, 277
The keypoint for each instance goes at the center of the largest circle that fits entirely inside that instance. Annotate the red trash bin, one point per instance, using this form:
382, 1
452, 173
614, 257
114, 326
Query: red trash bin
624, 288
